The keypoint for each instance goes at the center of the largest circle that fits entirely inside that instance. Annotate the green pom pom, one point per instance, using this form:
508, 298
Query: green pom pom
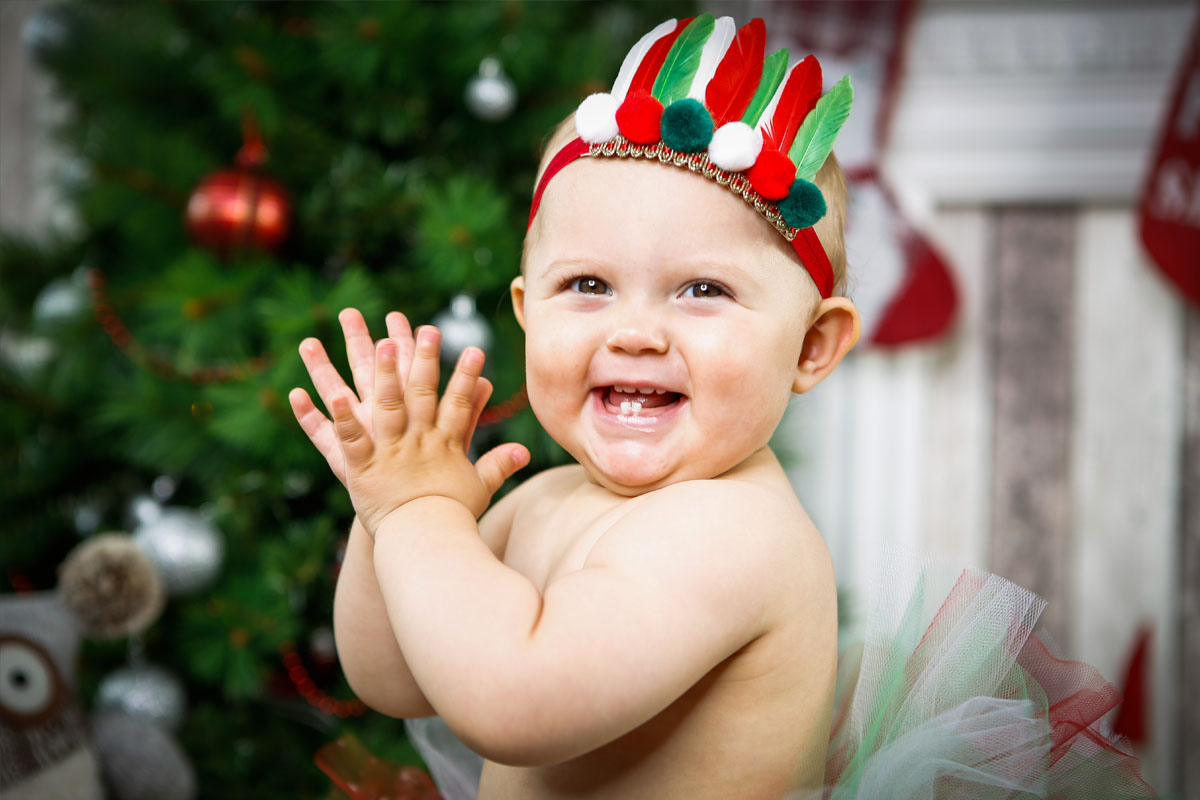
687, 126
803, 206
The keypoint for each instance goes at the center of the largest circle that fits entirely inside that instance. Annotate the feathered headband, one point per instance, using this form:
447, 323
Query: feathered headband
698, 93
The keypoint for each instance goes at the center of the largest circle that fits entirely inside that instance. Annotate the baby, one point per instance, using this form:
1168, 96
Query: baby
659, 619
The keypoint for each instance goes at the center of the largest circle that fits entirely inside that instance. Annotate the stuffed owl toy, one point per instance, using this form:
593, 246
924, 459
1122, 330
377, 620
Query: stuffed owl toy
49, 748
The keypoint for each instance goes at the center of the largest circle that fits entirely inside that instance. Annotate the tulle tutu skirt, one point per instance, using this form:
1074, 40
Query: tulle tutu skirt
954, 694
950, 693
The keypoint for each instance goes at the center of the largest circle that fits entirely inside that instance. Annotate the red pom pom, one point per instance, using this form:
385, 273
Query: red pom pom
772, 174
638, 119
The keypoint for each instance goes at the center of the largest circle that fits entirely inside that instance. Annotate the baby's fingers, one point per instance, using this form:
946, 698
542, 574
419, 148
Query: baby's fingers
319, 431
421, 389
390, 419
400, 332
357, 445
360, 351
458, 406
496, 465
483, 393
324, 376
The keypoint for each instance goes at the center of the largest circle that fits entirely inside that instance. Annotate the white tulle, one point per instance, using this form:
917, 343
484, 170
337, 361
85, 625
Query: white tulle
454, 766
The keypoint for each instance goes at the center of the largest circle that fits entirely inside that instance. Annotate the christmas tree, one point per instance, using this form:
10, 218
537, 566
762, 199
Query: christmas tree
239, 173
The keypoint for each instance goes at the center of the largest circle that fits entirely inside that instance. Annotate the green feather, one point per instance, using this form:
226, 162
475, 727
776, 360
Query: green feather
815, 138
674, 80
772, 75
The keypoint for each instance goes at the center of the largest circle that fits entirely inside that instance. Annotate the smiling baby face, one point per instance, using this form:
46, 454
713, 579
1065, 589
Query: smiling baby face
665, 323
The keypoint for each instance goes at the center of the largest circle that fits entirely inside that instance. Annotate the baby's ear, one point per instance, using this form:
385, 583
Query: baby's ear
833, 332
517, 288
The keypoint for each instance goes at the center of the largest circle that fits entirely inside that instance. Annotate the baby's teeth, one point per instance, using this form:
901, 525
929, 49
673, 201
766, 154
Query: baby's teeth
660, 391
636, 407
625, 406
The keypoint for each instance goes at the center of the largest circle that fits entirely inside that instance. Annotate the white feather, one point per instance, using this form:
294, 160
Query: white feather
710, 57
769, 111
634, 58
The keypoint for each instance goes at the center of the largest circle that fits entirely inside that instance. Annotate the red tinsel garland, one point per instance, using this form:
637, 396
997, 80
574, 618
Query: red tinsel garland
124, 339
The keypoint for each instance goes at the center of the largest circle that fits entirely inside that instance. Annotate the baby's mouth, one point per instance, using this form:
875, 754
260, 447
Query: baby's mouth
638, 402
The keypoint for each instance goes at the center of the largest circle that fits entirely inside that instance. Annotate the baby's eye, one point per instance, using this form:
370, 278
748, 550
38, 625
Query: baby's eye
590, 285
704, 289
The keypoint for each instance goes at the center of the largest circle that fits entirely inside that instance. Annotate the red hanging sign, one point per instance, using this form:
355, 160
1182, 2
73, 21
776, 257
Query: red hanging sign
1170, 206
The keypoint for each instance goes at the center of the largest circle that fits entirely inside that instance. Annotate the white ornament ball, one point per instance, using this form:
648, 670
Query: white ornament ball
491, 95
596, 118
735, 146
145, 691
140, 759
185, 547
462, 327
62, 300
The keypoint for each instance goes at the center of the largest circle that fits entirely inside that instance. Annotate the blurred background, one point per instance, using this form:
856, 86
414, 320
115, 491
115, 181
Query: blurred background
188, 189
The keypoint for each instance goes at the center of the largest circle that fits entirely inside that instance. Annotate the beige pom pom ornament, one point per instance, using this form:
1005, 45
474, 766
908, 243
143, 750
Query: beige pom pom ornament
111, 586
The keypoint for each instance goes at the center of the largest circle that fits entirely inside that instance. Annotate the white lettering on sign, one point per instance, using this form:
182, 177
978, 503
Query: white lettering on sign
1177, 194
1187, 125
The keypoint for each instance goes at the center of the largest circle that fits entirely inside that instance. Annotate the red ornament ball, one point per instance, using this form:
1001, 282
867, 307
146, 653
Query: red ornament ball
238, 209
772, 174
639, 117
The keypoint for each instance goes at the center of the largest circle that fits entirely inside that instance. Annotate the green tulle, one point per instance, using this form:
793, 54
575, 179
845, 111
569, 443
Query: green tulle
959, 699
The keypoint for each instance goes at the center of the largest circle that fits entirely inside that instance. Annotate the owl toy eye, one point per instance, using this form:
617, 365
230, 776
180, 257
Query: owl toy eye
30, 687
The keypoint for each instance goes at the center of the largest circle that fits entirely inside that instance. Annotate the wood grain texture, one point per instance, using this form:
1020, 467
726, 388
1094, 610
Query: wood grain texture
1031, 344
1188, 740
1127, 425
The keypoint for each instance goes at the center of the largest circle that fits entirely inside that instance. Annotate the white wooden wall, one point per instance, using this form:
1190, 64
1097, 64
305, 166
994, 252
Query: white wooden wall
900, 448
1021, 156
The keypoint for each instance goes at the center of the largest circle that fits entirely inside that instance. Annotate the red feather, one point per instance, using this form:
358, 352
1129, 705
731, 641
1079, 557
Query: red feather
647, 71
732, 86
800, 94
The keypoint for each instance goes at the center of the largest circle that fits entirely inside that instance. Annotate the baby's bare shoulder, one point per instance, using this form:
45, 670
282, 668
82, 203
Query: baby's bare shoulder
735, 511
758, 533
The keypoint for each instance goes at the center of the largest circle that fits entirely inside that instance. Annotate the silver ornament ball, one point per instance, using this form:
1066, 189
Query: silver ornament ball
184, 545
146, 691
62, 300
491, 95
462, 327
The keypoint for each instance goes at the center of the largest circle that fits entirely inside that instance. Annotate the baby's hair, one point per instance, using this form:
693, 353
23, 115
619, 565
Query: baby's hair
830, 229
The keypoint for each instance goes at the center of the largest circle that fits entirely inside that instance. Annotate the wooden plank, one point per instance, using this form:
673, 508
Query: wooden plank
17, 142
1187, 733
955, 489
1127, 425
1033, 261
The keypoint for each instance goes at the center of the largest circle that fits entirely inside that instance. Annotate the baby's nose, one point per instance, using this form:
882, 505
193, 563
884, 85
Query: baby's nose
637, 338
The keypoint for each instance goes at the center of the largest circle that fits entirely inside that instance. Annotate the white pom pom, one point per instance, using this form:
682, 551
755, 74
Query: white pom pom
735, 146
596, 118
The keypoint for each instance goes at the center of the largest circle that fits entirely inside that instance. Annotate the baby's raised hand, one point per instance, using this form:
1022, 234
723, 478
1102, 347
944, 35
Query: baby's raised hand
360, 352
417, 448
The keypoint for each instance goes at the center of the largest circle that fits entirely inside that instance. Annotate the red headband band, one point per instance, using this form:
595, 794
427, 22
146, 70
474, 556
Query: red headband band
804, 241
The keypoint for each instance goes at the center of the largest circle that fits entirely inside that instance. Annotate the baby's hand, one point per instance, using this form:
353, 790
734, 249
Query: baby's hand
418, 445
360, 351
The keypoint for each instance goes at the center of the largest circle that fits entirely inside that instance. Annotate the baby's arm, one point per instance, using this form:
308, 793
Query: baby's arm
666, 595
367, 649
